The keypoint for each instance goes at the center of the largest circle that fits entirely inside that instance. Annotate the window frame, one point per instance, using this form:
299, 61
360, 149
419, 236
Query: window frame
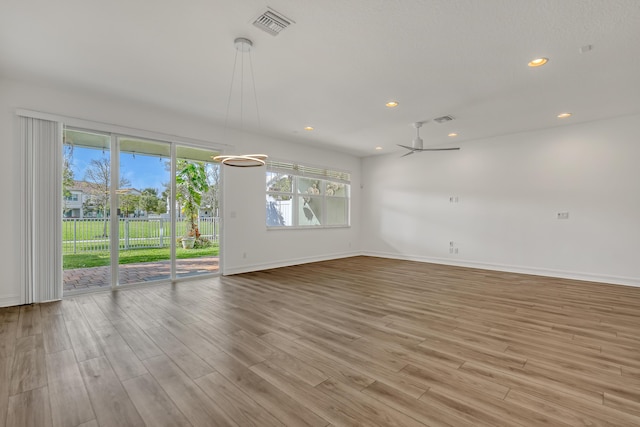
302, 171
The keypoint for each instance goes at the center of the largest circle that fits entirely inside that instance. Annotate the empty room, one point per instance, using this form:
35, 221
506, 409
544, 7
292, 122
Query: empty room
320, 213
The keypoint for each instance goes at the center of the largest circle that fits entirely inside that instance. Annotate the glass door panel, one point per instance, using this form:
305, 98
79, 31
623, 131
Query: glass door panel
144, 229
197, 210
119, 225
86, 215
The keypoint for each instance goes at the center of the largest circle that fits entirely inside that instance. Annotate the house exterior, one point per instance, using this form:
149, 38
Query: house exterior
72, 204
82, 201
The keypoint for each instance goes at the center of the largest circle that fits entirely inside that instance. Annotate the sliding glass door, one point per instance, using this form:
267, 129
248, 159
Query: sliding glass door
137, 210
86, 210
197, 208
144, 223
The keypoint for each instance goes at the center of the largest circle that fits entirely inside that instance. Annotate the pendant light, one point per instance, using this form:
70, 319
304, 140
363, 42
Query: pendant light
243, 46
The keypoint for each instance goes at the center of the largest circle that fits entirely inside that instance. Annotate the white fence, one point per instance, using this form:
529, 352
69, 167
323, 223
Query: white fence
92, 234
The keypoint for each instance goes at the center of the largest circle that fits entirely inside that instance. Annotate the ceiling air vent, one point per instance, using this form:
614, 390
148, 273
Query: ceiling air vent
272, 22
443, 119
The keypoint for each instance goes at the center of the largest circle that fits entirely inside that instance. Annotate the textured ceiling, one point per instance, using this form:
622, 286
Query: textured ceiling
341, 61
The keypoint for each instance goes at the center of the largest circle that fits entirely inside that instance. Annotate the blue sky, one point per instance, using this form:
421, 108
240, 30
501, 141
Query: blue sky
142, 171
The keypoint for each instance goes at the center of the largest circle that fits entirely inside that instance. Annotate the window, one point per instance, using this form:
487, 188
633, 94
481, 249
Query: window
306, 196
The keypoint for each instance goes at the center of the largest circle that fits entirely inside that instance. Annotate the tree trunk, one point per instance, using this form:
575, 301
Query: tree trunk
104, 230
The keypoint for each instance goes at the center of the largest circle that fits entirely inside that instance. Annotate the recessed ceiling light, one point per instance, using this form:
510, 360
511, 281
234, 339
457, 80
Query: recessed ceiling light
538, 62
452, 134
378, 148
392, 104
309, 128
564, 115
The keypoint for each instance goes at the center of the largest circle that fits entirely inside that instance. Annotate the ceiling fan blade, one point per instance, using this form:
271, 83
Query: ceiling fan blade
417, 143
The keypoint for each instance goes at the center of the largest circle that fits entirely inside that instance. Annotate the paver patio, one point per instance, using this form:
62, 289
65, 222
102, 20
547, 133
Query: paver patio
99, 277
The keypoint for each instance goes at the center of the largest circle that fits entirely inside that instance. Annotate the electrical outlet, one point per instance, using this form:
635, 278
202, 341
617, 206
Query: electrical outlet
244, 254
563, 215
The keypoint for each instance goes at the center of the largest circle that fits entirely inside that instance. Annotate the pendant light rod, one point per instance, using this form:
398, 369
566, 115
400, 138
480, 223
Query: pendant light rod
242, 45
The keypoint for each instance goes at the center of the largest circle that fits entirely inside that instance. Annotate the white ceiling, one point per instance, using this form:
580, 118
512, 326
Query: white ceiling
335, 68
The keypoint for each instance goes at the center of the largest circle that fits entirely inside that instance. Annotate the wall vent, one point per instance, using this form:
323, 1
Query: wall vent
272, 22
443, 119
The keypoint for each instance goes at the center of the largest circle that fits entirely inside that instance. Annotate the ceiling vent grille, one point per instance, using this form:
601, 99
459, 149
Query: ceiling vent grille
443, 119
272, 22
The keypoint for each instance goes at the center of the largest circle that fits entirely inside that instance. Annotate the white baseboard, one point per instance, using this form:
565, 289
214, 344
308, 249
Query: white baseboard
10, 300
615, 280
285, 263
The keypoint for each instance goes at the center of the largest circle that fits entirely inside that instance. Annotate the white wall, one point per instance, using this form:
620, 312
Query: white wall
510, 189
244, 188
249, 245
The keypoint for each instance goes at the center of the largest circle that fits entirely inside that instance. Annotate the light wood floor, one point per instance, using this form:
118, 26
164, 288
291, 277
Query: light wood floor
359, 341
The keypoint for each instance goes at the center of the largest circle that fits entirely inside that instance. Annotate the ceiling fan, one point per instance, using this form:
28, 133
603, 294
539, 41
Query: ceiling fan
417, 143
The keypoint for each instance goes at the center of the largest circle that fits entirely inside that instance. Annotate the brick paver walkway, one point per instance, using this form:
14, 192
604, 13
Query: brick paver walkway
97, 277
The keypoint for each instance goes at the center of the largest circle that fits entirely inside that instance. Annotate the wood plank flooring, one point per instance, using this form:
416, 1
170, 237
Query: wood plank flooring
358, 341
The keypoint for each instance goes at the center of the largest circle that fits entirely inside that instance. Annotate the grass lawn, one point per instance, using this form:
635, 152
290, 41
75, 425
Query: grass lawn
99, 259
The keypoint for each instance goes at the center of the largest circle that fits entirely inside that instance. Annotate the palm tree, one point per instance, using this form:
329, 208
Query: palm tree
191, 182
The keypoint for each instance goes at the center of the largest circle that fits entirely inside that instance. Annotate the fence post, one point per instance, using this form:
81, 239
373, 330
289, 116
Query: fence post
161, 232
74, 235
126, 233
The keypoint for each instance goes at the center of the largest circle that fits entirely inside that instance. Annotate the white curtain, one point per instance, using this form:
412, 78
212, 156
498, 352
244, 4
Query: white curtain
41, 145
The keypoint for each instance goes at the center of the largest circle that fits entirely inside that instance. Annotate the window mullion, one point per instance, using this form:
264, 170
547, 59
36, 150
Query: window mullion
323, 193
295, 200
114, 221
